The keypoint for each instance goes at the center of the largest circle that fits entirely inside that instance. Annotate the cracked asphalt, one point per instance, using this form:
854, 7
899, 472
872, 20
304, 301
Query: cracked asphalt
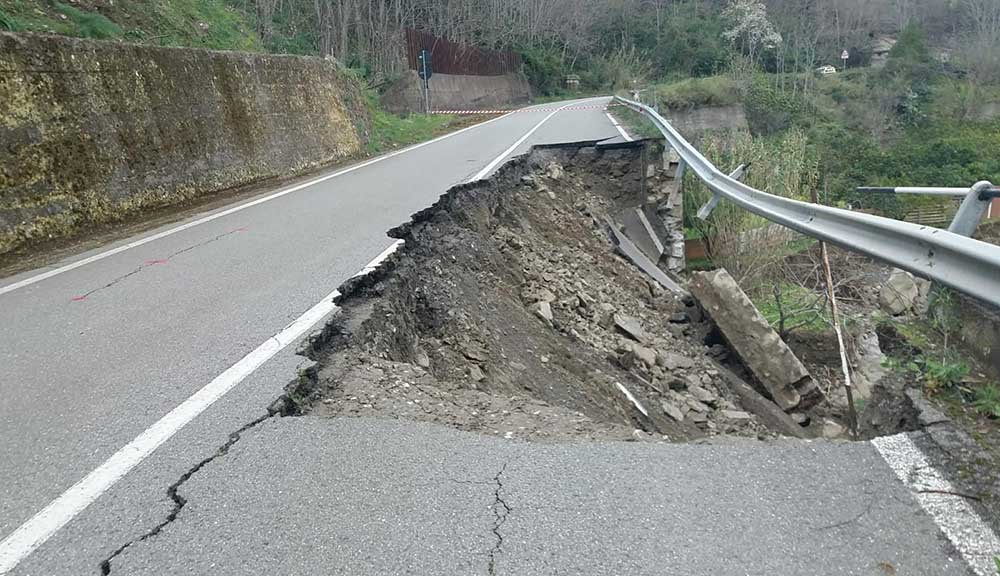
80, 377
92, 357
308, 495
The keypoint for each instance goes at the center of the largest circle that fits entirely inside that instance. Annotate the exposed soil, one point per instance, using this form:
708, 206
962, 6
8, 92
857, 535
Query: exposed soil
508, 312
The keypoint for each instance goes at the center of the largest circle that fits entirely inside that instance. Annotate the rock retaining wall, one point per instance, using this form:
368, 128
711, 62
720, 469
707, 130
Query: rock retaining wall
93, 131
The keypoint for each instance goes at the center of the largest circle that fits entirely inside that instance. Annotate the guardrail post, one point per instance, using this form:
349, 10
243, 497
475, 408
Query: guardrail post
706, 210
971, 212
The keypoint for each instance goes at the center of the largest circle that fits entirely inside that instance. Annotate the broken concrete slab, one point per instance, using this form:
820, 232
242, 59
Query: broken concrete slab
767, 411
762, 351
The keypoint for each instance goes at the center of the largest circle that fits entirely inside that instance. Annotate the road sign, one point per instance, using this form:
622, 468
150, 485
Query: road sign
844, 55
424, 68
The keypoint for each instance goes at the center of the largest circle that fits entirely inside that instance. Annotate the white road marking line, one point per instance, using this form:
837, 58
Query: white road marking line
968, 533
227, 212
489, 167
44, 524
33, 533
619, 127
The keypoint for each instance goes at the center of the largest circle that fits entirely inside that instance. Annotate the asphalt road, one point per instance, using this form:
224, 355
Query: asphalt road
302, 496
92, 357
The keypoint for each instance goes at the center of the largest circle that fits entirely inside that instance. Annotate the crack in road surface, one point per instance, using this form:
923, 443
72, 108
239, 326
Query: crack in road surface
155, 262
500, 512
173, 491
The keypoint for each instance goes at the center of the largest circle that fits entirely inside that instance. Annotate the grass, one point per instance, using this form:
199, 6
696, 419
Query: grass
986, 400
194, 23
709, 91
389, 131
90, 24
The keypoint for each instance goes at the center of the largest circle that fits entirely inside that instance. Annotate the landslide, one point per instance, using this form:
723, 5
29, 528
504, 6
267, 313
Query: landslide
507, 311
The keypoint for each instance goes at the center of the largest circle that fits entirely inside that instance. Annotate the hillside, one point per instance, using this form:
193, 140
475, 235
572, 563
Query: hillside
195, 23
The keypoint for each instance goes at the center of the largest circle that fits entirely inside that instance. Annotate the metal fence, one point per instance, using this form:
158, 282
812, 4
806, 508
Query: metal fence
949, 257
453, 58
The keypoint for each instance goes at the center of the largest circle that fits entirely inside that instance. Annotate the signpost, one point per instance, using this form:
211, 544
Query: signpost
425, 71
845, 57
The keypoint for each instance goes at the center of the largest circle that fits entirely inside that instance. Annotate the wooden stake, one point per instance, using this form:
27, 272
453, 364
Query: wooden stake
852, 414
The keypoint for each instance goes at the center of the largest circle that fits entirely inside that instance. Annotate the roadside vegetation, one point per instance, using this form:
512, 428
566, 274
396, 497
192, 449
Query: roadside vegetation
390, 131
195, 23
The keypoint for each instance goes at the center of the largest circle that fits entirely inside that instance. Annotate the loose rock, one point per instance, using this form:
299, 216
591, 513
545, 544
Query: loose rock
898, 293
673, 361
543, 310
631, 327
672, 410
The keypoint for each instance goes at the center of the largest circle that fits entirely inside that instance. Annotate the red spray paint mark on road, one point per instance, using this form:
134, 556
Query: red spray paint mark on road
78, 298
154, 262
240, 229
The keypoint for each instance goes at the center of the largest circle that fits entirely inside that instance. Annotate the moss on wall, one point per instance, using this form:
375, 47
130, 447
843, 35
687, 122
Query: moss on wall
92, 132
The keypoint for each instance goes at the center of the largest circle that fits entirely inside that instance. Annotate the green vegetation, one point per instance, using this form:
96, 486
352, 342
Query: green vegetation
389, 131
790, 307
89, 24
987, 400
197, 23
709, 91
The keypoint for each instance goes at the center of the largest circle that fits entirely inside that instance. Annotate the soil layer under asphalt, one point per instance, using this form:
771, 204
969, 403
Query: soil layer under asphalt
507, 311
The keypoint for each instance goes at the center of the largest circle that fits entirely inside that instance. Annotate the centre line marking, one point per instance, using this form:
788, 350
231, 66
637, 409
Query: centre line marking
33, 533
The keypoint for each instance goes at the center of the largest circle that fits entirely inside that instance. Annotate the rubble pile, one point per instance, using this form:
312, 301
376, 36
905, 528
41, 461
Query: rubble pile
507, 311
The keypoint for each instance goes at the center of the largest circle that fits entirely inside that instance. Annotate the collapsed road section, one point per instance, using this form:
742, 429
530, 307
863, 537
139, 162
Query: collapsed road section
509, 311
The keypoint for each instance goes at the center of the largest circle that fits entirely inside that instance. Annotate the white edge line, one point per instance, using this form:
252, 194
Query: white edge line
489, 167
618, 126
33, 533
136, 243
968, 533
60, 511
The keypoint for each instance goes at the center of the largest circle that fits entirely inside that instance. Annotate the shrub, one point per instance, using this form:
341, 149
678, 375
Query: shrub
770, 111
987, 400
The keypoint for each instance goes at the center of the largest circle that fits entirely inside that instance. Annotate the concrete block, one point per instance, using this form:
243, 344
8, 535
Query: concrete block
771, 361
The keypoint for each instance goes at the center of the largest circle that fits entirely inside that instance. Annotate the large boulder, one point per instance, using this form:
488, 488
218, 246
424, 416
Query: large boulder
762, 351
899, 293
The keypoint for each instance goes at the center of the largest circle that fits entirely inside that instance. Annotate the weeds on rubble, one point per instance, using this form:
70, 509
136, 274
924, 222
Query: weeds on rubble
987, 400
941, 374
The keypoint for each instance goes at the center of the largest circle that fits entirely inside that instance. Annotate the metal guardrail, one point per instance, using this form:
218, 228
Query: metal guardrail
947, 257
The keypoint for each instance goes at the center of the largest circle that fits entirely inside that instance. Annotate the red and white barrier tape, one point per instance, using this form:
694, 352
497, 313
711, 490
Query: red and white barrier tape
472, 112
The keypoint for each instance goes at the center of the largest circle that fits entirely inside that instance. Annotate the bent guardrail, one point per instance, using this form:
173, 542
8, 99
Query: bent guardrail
954, 260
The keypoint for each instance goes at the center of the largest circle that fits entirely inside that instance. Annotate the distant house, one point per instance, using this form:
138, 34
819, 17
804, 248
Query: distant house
880, 50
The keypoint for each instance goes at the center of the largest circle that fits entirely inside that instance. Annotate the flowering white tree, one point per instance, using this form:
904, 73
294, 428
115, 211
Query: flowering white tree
750, 32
